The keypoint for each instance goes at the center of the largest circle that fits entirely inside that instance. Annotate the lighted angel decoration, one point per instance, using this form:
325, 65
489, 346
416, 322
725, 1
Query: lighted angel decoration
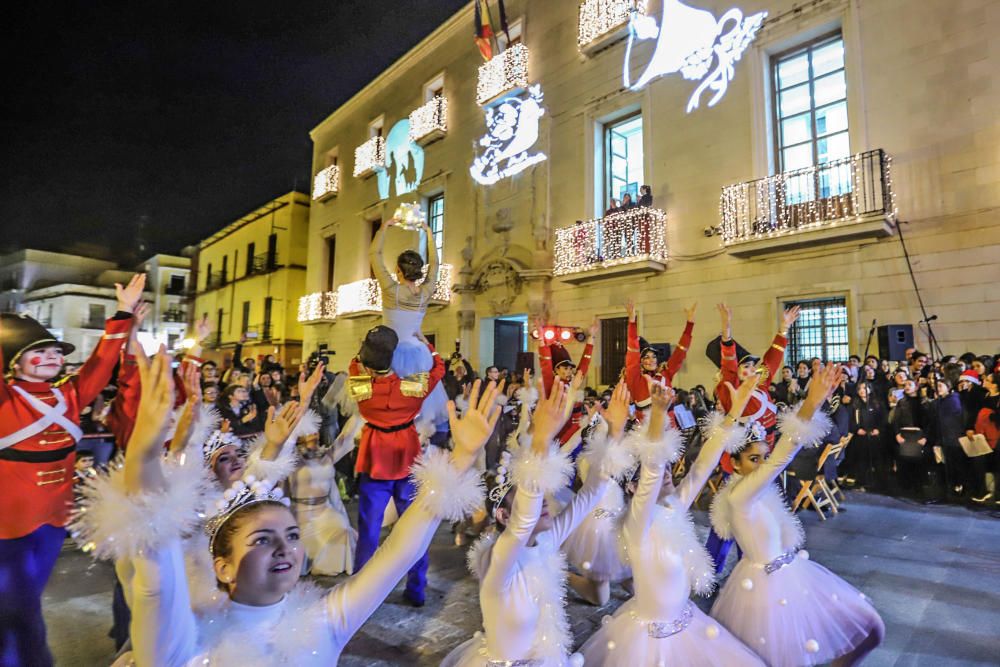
688, 40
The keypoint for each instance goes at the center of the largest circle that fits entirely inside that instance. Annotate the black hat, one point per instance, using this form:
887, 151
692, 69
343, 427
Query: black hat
645, 346
377, 348
714, 352
20, 333
560, 355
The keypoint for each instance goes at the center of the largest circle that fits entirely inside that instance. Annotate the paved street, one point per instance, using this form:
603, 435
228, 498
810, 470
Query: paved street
933, 573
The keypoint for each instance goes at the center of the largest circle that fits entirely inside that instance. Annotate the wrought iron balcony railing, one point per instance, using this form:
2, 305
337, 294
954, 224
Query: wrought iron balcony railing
503, 73
429, 122
318, 307
216, 280
602, 22
369, 157
174, 316
260, 332
262, 263
635, 236
365, 296
826, 195
326, 183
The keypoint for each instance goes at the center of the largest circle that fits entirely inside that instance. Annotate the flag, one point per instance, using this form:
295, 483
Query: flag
484, 33
503, 21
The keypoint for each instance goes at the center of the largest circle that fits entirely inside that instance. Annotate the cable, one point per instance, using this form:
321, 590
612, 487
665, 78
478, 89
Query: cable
935, 348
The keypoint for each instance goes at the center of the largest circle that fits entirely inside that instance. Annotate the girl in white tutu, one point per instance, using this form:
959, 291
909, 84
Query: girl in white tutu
790, 610
327, 534
261, 614
659, 626
522, 574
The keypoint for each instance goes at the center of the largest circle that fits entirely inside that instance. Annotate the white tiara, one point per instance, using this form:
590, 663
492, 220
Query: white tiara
243, 493
502, 480
217, 441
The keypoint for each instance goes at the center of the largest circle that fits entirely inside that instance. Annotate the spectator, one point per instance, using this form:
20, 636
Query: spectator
988, 425
783, 390
645, 196
907, 427
210, 393
243, 416
614, 207
627, 202
948, 427
867, 459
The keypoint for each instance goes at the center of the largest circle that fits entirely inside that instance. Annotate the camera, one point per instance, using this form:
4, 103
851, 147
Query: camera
320, 356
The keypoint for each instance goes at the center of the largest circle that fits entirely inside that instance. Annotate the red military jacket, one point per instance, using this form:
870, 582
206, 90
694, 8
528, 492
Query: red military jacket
633, 365
549, 375
36, 468
389, 404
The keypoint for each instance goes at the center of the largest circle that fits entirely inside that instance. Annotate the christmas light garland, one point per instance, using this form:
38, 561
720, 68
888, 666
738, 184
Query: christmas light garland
364, 296
599, 17
369, 157
429, 118
787, 202
318, 306
326, 183
506, 71
634, 235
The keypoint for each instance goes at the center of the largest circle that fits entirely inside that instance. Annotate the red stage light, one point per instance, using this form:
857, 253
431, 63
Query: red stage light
565, 334
549, 334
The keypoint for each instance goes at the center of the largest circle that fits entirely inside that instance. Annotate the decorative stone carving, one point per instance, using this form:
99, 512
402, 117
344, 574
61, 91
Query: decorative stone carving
500, 282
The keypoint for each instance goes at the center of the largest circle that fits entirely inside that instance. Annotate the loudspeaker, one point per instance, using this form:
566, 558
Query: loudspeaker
524, 360
893, 341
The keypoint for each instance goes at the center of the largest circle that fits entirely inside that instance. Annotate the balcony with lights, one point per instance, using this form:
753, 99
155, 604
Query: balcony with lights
604, 22
369, 157
364, 297
326, 183
842, 200
429, 122
318, 307
626, 243
504, 74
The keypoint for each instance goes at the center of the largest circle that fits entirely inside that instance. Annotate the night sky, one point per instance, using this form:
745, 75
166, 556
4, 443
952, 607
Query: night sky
161, 122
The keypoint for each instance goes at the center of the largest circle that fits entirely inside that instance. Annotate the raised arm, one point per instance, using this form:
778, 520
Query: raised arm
776, 353
588, 351
433, 263
376, 256
654, 450
804, 428
728, 361
677, 357
448, 488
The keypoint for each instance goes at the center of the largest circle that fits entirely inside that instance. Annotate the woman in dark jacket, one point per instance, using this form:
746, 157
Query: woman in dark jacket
868, 460
906, 419
948, 427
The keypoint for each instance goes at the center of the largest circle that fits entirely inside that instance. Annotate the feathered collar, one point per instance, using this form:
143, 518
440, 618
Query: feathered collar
769, 502
286, 633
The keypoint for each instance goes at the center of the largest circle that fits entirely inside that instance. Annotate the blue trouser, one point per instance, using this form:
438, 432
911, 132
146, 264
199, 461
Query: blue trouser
718, 548
374, 496
26, 564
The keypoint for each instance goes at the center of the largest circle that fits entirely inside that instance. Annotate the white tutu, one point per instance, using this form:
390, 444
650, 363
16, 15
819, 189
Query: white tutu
472, 653
802, 614
593, 547
624, 640
328, 537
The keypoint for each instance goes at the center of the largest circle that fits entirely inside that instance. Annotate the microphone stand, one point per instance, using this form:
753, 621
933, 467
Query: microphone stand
868, 343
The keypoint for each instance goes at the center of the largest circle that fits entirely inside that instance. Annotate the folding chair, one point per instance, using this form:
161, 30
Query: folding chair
805, 495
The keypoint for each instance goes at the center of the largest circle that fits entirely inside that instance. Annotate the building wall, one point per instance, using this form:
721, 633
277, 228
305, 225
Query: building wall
168, 314
921, 85
288, 218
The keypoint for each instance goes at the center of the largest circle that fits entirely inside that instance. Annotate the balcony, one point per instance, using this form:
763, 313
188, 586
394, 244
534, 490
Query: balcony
504, 73
318, 307
215, 280
631, 242
364, 297
174, 289
91, 323
429, 122
369, 157
174, 316
326, 183
601, 23
843, 200
259, 332
262, 263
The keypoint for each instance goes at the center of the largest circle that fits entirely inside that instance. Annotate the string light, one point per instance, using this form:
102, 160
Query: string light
635, 235
429, 121
365, 296
318, 306
504, 72
326, 183
788, 202
369, 157
600, 17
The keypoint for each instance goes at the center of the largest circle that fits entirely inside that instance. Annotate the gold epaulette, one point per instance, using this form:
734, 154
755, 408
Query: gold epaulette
415, 386
777, 347
360, 387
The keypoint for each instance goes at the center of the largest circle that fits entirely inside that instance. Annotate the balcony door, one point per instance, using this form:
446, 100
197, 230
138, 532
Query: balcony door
623, 169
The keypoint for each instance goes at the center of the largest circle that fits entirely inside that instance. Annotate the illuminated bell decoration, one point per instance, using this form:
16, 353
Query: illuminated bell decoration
369, 157
634, 235
504, 72
410, 216
326, 183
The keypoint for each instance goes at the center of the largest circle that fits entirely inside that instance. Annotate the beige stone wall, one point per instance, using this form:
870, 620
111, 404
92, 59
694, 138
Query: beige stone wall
923, 84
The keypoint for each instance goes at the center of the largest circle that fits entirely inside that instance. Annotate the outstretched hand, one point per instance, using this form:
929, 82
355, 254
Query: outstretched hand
616, 414
279, 426
661, 396
130, 295
726, 315
155, 402
821, 386
742, 395
470, 432
791, 314
690, 310
548, 418
307, 385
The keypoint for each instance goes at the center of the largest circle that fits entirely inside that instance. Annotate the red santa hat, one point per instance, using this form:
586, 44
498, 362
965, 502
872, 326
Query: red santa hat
969, 376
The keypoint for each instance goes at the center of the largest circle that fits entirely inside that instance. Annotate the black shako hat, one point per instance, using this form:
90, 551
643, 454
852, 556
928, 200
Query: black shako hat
560, 356
645, 347
20, 333
714, 352
378, 347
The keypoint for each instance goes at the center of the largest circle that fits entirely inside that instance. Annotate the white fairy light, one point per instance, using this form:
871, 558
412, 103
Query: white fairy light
634, 235
326, 183
599, 17
369, 157
430, 118
504, 72
365, 296
317, 306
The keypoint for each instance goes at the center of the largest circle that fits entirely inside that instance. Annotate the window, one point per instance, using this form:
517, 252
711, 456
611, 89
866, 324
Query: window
623, 159
434, 88
435, 219
272, 252
376, 224
176, 284
218, 325
375, 127
810, 111
250, 252
266, 333
515, 29
332, 157
820, 331
246, 317
331, 263
95, 315
225, 269
208, 276
614, 341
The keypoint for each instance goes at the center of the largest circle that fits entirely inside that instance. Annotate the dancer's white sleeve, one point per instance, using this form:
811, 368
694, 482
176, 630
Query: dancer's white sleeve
163, 629
719, 439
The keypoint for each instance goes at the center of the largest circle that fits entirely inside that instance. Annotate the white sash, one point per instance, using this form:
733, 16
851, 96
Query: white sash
50, 414
765, 403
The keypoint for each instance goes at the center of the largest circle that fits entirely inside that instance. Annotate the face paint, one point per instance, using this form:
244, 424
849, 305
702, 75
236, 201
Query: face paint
35, 359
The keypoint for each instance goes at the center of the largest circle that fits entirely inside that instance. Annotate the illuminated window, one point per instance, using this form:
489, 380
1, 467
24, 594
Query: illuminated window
810, 110
435, 220
821, 331
623, 161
